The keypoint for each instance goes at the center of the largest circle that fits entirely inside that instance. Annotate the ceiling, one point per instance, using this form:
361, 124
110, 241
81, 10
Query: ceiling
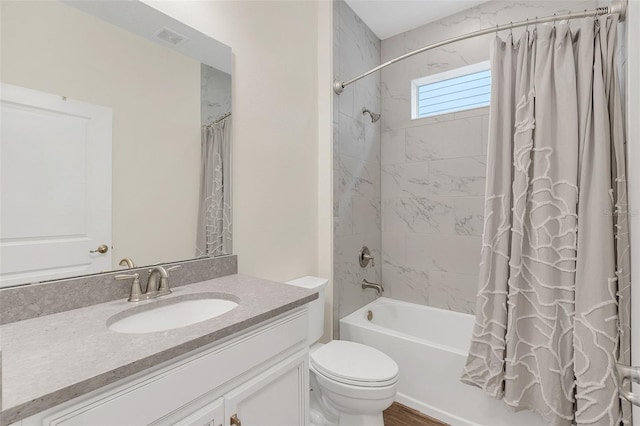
147, 22
387, 18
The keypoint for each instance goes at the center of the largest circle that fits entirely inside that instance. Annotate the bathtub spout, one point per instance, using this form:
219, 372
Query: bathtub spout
377, 287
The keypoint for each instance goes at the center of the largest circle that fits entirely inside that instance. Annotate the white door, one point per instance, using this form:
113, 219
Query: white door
277, 397
55, 207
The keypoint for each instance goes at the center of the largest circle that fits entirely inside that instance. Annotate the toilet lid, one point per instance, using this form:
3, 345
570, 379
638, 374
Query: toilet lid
354, 363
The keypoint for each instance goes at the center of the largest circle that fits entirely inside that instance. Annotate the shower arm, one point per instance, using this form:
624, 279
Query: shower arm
617, 6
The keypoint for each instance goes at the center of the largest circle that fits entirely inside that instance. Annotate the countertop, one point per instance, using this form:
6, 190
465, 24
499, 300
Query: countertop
52, 359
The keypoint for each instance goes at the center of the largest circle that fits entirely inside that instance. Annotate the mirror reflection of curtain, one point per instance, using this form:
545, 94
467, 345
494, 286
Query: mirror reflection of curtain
214, 213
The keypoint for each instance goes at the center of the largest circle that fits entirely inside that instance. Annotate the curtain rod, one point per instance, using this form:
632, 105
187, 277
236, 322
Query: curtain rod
617, 6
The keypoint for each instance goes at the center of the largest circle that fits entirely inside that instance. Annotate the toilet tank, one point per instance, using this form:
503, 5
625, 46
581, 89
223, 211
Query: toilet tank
316, 307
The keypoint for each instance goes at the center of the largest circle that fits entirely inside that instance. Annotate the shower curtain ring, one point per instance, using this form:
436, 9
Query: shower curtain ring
511, 29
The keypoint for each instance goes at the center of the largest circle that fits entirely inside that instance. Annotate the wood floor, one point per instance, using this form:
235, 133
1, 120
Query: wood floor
401, 415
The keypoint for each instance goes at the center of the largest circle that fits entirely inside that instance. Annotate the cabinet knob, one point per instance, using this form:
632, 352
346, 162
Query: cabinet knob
235, 421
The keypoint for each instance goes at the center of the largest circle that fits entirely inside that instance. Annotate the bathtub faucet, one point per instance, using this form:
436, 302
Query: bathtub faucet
377, 287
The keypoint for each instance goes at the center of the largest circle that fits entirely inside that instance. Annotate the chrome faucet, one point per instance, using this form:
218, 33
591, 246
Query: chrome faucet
377, 287
128, 262
153, 290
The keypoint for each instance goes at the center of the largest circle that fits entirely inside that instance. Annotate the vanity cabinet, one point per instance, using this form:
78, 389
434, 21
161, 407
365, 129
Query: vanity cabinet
255, 378
260, 401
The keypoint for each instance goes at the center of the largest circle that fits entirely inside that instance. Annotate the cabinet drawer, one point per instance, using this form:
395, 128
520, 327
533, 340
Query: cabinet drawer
147, 399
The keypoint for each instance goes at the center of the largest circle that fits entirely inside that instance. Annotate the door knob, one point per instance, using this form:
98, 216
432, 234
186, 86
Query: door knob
627, 373
102, 249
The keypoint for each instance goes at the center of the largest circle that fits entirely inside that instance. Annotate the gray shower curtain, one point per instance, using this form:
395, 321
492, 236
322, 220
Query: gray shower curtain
214, 213
552, 314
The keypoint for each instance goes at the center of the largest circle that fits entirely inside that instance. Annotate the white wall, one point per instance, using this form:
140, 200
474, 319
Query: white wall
325, 153
155, 96
280, 194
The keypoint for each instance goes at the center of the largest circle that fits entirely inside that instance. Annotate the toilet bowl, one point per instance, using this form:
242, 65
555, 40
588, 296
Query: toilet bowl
355, 382
351, 383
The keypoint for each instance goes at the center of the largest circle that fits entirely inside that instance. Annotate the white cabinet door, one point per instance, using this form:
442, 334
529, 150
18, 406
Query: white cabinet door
55, 190
210, 415
277, 397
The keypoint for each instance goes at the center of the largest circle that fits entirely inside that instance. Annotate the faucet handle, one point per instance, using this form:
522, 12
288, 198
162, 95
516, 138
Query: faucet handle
364, 257
136, 292
368, 256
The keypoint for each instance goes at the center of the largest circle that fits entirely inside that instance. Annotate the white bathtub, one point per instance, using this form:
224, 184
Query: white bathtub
430, 346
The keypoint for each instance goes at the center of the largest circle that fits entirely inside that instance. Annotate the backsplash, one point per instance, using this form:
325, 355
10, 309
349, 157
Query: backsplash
356, 163
34, 300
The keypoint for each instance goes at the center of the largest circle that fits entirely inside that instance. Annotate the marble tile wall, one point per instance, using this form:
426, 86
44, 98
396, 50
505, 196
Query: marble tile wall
433, 169
356, 163
433, 178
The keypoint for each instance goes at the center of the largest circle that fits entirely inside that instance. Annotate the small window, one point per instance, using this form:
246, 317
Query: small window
456, 90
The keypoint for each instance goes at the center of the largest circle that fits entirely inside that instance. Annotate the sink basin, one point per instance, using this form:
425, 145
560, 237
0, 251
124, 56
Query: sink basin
175, 314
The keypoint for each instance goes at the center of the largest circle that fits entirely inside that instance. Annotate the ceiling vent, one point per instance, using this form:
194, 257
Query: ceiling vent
171, 37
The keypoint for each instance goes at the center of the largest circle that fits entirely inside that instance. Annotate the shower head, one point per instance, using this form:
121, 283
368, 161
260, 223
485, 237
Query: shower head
374, 117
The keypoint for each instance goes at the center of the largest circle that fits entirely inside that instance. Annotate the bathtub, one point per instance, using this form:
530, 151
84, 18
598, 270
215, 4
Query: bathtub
430, 346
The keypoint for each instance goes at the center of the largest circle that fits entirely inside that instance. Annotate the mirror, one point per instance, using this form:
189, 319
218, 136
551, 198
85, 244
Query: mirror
115, 140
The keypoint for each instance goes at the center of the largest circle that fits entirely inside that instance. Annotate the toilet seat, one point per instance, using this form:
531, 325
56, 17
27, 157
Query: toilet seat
354, 364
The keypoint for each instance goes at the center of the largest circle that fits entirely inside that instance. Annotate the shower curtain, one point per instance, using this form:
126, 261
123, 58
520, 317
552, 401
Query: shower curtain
552, 315
214, 213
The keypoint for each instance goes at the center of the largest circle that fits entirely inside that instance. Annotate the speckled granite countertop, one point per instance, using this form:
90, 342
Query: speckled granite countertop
55, 358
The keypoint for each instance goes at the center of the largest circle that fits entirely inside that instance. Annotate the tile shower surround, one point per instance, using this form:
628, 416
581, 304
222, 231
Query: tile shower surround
433, 179
356, 164
433, 169
39, 299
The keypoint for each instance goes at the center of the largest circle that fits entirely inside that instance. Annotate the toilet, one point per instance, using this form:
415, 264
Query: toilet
351, 383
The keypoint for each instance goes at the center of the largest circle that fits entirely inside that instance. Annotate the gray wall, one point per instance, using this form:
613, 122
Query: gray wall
356, 163
433, 169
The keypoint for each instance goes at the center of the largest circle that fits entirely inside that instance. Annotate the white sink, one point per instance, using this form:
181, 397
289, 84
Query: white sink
170, 316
